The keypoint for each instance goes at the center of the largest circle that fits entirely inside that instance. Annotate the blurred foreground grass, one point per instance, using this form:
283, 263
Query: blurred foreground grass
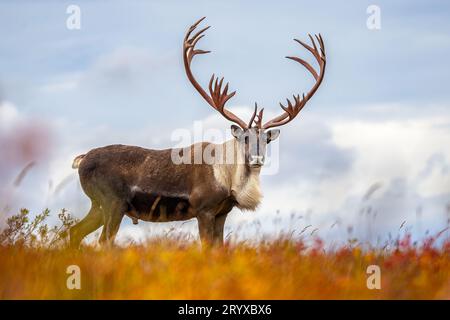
173, 268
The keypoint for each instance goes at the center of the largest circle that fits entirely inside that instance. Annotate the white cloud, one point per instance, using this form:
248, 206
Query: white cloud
393, 149
436, 182
9, 115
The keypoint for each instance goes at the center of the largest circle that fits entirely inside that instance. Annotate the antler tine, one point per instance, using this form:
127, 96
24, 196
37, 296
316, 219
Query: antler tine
253, 116
292, 110
192, 28
256, 117
189, 44
216, 97
258, 122
199, 33
322, 44
225, 90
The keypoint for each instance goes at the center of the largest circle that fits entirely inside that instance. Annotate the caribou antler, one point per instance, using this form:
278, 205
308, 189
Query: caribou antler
217, 97
292, 109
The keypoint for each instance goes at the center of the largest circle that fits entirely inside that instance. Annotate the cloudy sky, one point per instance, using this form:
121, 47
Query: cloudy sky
376, 135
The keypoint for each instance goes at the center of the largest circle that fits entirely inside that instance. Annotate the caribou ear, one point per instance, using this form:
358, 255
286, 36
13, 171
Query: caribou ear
272, 135
236, 131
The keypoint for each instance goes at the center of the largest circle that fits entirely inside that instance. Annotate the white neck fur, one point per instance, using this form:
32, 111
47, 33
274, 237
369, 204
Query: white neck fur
240, 180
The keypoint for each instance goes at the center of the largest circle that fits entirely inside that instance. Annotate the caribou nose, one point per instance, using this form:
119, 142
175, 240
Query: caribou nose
256, 160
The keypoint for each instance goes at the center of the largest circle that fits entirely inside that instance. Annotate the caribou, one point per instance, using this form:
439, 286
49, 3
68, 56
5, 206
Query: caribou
148, 185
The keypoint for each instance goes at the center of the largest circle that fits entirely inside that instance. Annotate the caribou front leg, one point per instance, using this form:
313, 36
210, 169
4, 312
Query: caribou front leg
206, 223
218, 229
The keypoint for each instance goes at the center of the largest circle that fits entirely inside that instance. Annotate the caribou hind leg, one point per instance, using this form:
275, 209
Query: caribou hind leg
113, 215
90, 223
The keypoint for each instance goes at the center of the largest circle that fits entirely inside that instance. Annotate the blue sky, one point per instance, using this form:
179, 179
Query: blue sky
382, 114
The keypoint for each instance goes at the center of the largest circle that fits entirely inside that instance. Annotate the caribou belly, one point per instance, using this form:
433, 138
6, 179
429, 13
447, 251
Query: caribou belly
154, 207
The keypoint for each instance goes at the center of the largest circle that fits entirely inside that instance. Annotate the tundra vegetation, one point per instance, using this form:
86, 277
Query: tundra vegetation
34, 258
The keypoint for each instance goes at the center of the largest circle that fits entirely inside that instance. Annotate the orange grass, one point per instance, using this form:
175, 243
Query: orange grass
280, 269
